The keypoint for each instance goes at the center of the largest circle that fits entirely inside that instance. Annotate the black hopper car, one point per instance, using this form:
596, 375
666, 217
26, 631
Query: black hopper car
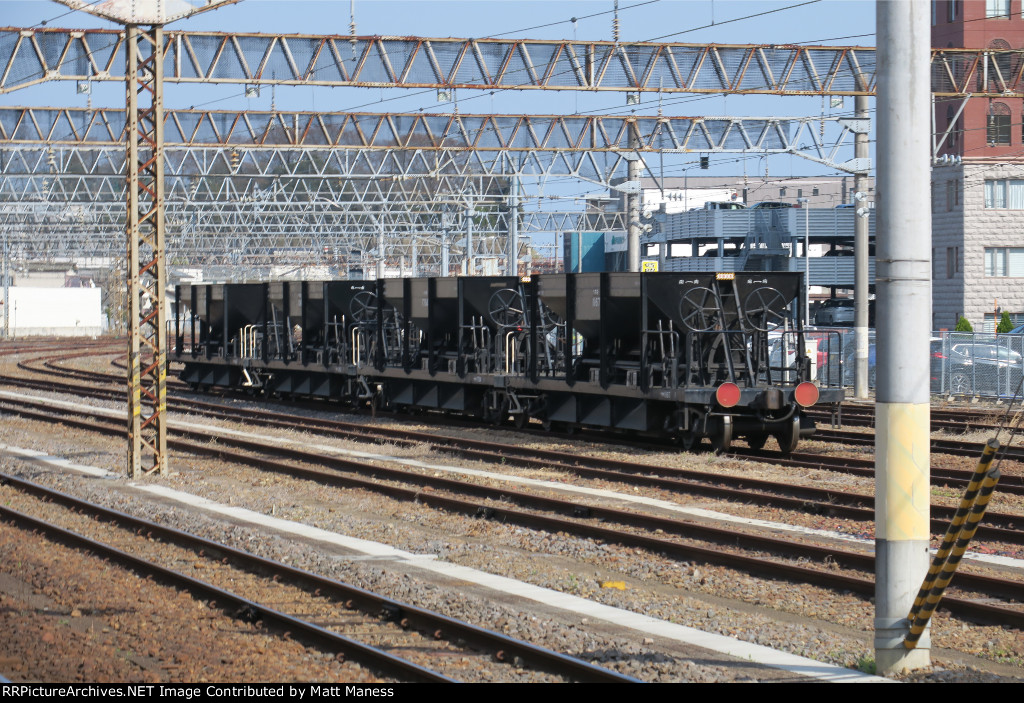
687, 356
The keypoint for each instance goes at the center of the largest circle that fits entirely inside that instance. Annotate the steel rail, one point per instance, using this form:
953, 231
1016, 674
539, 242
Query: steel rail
825, 502
495, 511
816, 501
231, 603
435, 625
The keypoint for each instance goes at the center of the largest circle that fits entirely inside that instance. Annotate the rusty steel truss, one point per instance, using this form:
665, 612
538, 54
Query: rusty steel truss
147, 282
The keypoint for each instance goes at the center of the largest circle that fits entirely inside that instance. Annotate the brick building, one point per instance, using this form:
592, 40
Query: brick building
978, 189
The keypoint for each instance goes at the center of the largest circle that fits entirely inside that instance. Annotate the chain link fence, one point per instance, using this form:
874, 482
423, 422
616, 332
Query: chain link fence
960, 363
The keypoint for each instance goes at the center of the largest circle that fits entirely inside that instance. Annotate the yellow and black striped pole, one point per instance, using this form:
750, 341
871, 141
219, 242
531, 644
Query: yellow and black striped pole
959, 535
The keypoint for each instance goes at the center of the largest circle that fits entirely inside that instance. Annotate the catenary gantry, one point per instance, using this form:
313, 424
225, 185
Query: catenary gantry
421, 131
329, 181
30, 56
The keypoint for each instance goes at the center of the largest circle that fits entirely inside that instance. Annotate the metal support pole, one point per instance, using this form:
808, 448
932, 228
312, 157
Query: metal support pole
147, 310
806, 202
512, 258
861, 252
903, 283
470, 259
633, 203
7, 287
445, 253
380, 250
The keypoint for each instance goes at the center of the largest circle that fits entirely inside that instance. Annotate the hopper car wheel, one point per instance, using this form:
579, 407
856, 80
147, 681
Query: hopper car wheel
699, 309
520, 420
495, 409
376, 403
765, 309
688, 439
363, 306
506, 308
721, 440
757, 441
789, 436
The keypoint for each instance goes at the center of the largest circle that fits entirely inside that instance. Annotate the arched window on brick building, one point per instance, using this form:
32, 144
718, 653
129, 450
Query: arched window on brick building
998, 124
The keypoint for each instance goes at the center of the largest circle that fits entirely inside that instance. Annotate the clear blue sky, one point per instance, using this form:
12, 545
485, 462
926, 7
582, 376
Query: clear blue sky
806, 22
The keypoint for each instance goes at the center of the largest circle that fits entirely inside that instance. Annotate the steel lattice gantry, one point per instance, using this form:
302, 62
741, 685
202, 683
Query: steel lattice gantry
29, 56
36, 55
517, 140
259, 183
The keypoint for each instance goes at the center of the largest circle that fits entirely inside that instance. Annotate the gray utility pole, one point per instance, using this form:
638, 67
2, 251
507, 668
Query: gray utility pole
7, 288
861, 248
633, 197
445, 253
903, 282
380, 250
470, 259
512, 256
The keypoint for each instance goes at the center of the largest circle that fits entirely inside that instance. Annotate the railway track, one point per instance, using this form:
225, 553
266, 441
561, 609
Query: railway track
393, 638
1006, 528
856, 414
673, 562
671, 537
956, 421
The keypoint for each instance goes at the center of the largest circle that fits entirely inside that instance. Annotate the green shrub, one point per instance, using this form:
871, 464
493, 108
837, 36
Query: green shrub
1005, 323
962, 325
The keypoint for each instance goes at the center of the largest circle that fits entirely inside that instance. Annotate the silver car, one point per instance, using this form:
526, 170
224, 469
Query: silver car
836, 312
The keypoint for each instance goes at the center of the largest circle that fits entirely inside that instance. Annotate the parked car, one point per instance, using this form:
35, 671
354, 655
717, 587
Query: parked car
849, 252
728, 251
771, 205
983, 368
724, 205
836, 312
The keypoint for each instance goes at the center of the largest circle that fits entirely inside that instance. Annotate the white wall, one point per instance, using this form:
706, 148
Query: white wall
54, 311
